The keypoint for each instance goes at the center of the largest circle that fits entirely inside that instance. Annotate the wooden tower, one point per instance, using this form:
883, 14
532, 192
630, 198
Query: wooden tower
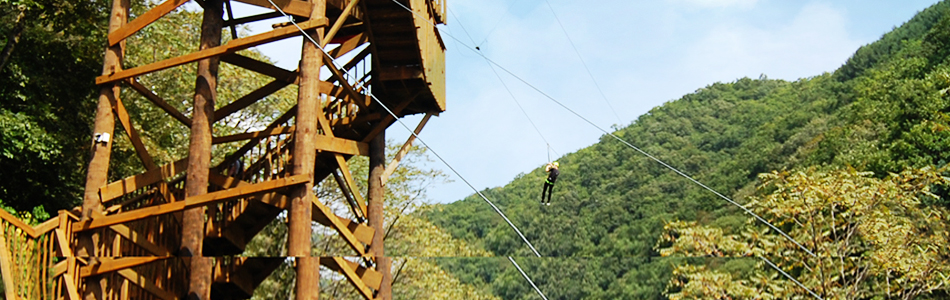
177, 231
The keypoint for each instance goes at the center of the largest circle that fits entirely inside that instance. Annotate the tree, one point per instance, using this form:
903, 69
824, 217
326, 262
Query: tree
871, 238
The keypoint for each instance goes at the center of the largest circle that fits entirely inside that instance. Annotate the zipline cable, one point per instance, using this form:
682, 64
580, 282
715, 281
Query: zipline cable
536, 289
790, 277
336, 65
579, 56
523, 111
675, 170
505, 14
648, 155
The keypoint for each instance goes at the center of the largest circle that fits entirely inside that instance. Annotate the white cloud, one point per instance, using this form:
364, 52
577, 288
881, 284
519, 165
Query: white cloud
815, 41
716, 3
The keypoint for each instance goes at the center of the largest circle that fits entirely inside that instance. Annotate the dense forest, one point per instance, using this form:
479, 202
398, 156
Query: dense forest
849, 163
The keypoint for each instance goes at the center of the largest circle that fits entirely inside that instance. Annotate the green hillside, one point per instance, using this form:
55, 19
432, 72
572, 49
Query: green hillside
885, 110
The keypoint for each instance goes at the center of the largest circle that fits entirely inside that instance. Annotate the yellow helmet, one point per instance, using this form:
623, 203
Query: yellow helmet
555, 164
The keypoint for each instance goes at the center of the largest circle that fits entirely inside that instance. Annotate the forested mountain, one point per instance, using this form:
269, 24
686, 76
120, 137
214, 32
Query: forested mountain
611, 231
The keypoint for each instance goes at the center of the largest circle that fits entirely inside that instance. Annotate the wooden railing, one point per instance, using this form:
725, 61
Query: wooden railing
27, 257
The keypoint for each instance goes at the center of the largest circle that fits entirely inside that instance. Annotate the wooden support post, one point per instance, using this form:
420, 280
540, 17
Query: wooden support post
375, 197
102, 136
6, 270
199, 154
304, 157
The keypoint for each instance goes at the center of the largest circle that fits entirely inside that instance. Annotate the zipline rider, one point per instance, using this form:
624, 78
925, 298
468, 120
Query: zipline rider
553, 172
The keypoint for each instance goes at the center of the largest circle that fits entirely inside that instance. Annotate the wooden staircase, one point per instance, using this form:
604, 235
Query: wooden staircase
139, 227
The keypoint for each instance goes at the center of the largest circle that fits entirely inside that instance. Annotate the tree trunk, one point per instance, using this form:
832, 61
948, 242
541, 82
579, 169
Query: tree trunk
12, 40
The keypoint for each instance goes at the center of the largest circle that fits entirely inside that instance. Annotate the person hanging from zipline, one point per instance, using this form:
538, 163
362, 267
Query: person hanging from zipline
552, 169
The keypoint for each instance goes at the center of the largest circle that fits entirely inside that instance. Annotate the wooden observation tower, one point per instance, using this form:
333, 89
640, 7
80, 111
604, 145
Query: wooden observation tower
178, 231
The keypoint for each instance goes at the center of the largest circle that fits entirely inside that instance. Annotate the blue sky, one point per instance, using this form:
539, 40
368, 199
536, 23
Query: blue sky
641, 54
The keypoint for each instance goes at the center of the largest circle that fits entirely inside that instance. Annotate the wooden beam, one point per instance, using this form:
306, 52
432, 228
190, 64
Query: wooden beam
130, 184
16, 222
405, 149
252, 135
362, 232
112, 264
71, 289
47, 226
348, 45
339, 23
146, 284
387, 120
147, 18
6, 269
250, 98
62, 242
353, 278
348, 177
140, 240
341, 146
254, 18
342, 80
339, 225
260, 67
230, 47
291, 7
191, 202
369, 276
133, 134
161, 103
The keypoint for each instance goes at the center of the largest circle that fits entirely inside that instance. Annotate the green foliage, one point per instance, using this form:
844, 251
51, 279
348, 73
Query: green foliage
873, 238
48, 99
884, 111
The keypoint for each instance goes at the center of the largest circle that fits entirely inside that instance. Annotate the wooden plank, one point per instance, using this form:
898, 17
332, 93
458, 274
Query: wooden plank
254, 18
111, 264
252, 135
363, 233
341, 146
370, 277
387, 120
291, 7
353, 278
260, 67
6, 269
146, 284
345, 169
230, 47
130, 184
191, 202
356, 96
140, 240
337, 224
250, 98
69, 277
58, 269
126, 122
339, 23
47, 226
350, 44
16, 222
148, 17
63, 242
161, 103
403, 150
